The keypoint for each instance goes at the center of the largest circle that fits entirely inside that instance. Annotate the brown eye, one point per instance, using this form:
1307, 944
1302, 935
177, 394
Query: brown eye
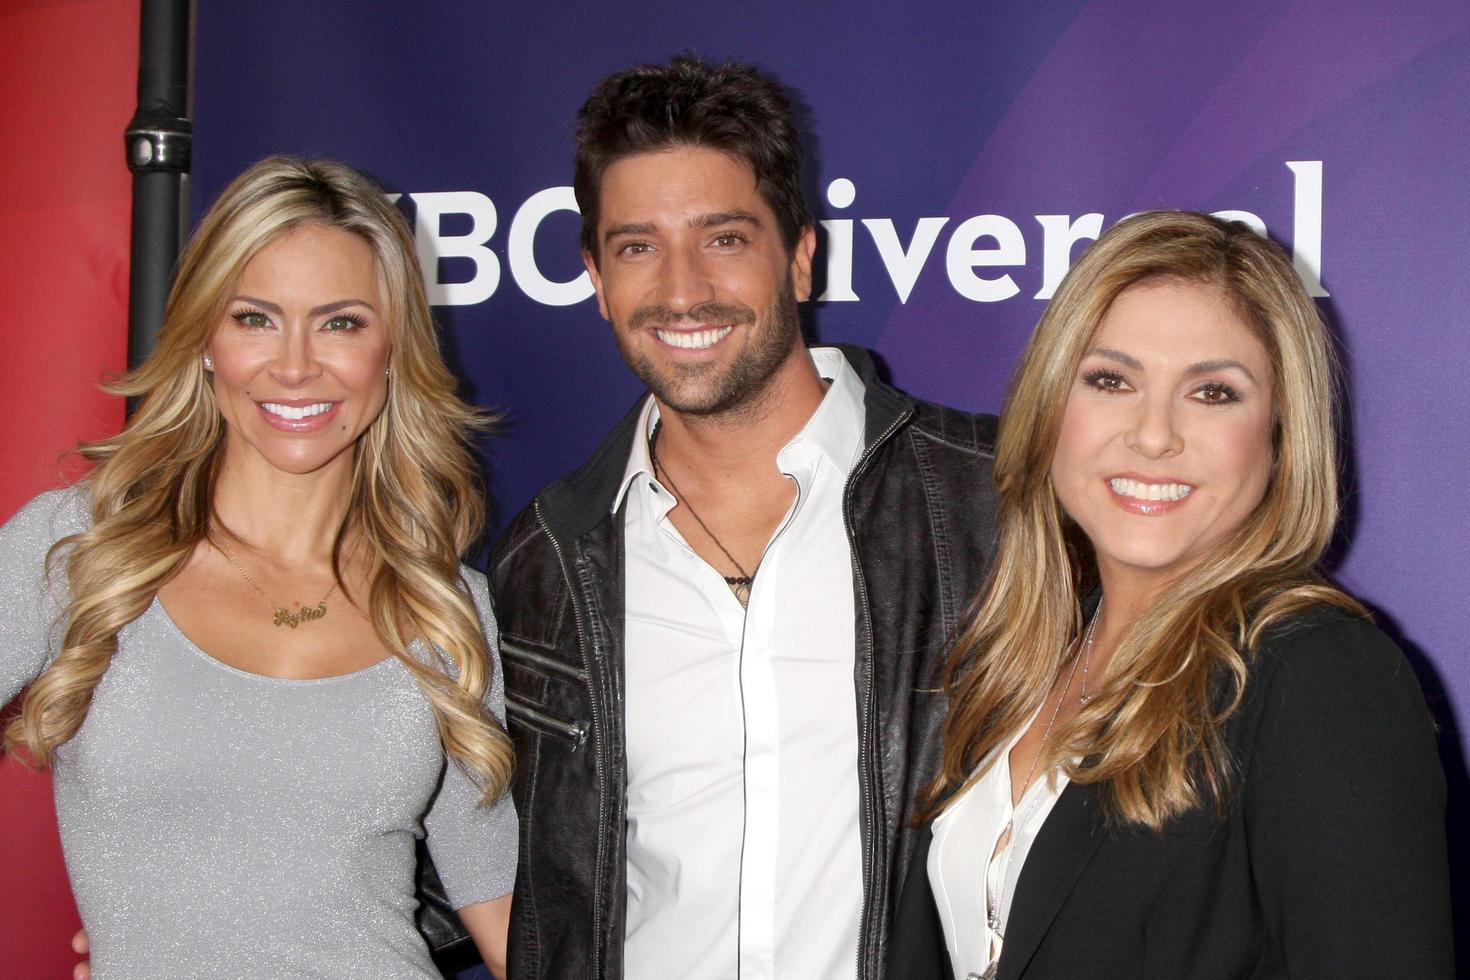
1105, 381
1216, 393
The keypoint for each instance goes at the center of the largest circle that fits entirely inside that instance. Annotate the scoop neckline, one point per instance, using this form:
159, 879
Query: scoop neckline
210, 658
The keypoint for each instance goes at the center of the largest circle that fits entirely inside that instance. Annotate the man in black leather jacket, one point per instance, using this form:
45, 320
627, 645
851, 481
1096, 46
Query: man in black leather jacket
920, 509
917, 506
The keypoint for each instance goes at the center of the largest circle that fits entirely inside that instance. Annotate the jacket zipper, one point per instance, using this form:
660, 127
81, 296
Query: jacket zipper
514, 651
865, 733
570, 729
598, 739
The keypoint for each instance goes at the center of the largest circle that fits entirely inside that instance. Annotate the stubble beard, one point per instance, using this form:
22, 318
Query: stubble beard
715, 390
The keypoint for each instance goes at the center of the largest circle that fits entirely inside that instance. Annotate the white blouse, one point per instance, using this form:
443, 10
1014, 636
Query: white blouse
970, 872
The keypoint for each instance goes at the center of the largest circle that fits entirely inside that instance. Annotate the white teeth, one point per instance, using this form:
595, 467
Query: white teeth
1149, 491
296, 414
693, 339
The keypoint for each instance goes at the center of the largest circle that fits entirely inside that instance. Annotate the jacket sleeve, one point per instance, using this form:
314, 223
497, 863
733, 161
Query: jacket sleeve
1344, 804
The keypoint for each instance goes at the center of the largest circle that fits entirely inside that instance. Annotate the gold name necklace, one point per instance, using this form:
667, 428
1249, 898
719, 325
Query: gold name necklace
283, 616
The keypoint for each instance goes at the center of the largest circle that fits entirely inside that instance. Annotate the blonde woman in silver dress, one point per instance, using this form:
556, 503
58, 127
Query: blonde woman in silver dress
256, 666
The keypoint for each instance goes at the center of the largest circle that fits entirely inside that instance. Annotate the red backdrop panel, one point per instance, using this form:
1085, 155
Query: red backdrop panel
68, 85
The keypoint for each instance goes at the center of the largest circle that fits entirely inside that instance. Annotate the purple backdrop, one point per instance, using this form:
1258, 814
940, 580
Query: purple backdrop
955, 151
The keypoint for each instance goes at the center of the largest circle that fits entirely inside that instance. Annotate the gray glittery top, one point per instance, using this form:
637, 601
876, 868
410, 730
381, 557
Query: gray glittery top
218, 823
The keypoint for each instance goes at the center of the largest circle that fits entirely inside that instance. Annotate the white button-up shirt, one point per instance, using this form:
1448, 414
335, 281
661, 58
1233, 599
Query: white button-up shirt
970, 872
744, 847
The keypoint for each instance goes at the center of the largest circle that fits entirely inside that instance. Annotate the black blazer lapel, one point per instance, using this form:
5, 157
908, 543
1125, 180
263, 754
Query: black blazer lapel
1067, 841
916, 948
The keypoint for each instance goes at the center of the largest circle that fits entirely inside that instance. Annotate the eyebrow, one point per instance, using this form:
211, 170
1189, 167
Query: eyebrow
698, 221
1199, 367
1210, 367
628, 229
1117, 355
724, 218
322, 310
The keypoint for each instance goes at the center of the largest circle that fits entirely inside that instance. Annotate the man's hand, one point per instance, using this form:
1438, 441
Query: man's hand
83, 970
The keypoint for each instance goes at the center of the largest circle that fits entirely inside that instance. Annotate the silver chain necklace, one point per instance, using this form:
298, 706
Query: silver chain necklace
1084, 698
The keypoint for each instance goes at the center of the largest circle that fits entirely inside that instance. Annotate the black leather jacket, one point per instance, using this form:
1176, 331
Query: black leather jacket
920, 514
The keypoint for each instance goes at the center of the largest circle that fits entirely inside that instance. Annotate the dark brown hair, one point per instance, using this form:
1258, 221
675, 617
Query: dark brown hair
689, 102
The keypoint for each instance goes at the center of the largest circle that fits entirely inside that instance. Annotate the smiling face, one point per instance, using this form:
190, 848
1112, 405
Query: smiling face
694, 277
1165, 444
301, 353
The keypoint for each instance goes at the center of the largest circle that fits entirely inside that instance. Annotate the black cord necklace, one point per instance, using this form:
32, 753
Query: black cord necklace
739, 584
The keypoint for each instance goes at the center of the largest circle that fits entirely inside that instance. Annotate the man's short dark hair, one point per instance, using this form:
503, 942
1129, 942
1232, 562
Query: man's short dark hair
730, 107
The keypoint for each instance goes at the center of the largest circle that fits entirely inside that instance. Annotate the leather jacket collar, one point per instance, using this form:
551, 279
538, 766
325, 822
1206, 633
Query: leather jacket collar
575, 505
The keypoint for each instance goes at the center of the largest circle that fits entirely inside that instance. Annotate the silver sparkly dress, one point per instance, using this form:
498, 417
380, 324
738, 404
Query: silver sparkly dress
222, 824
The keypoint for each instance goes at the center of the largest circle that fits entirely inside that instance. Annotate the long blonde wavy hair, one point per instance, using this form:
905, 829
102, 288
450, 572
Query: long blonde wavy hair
415, 504
1153, 734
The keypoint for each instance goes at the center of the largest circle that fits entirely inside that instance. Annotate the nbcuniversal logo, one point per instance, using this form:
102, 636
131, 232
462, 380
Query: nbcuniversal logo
976, 253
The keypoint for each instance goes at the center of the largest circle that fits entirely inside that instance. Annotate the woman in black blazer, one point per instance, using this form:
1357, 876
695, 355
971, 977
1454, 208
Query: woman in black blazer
1174, 750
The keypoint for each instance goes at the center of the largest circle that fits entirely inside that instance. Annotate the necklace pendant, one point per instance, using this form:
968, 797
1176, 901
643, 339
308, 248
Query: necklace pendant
305, 614
282, 616
740, 585
1084, 699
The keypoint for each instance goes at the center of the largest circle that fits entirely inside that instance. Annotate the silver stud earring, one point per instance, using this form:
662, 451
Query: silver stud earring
208, 363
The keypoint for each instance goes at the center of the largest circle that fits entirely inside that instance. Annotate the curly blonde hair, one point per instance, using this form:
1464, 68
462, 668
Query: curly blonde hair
416, 502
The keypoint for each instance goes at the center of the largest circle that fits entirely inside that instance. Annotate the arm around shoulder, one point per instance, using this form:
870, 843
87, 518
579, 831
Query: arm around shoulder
1344, 805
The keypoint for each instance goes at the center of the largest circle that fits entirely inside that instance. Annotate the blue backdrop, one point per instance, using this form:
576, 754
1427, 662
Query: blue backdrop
959, 155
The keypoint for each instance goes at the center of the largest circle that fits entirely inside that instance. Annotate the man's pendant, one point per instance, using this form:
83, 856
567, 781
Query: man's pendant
740, 585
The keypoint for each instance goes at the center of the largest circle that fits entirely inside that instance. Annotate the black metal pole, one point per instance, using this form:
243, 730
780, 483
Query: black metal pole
158, 141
